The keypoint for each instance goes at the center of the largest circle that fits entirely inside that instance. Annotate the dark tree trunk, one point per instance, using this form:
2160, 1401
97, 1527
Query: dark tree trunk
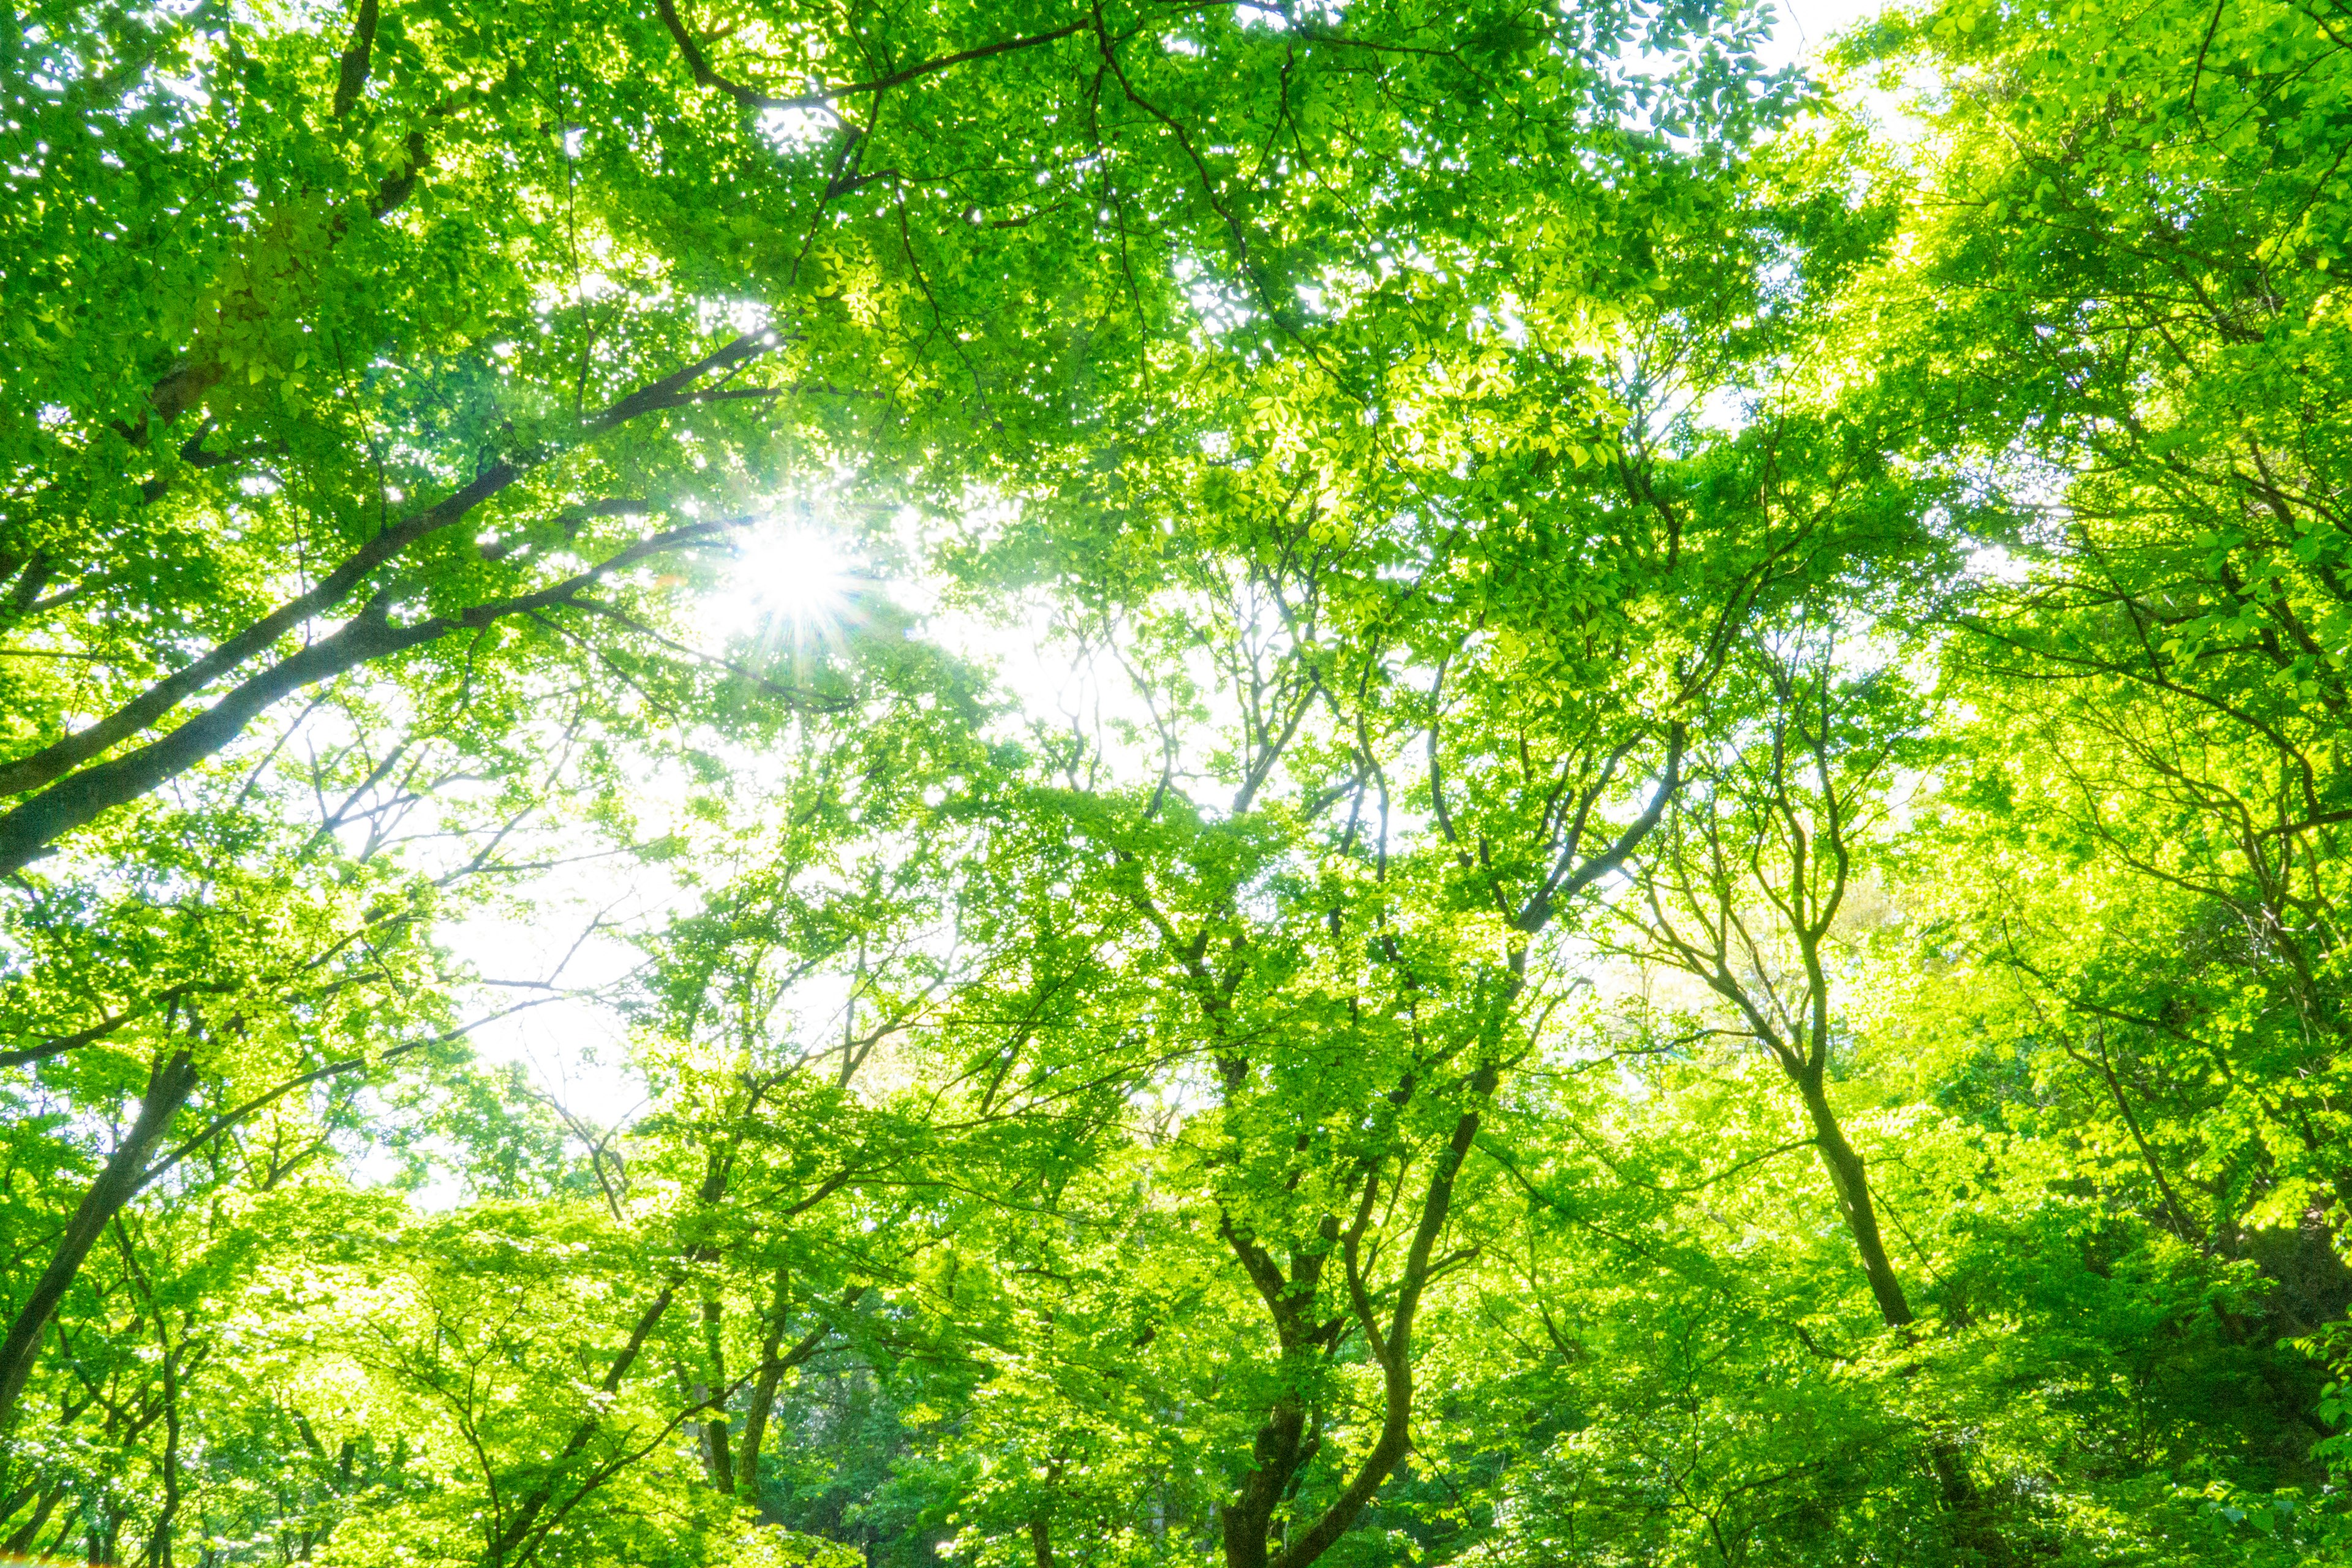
1977, 1530
168, 1088
1851, 1181
21, 1542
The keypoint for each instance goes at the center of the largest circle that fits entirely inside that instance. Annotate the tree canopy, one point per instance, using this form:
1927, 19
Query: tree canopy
1356, 781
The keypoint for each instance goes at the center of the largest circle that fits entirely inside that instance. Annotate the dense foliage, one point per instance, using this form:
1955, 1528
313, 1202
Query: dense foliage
1415, 781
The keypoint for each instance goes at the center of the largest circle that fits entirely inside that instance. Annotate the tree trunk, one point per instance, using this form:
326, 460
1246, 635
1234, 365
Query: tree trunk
717, 1443
503, 1542
763, 1391
755, 1430
159, 1543
1978, 1531
774, 1361
168, 1088
1248, 1518
1852, 1184
1282, 1448
19, 1543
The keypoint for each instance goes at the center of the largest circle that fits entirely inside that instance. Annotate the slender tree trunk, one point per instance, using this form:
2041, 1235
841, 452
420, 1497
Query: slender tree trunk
1041, 1523
159, 1544
66, 1532
1394, 1350
1851, 1181
1279, 1448
763, 1390
774, 1361
1283, 1448
168, 1088
2185, 1227
755, 1430
718, 1445
502, 1544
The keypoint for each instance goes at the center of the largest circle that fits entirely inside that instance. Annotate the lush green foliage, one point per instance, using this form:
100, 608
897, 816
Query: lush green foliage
1423, 781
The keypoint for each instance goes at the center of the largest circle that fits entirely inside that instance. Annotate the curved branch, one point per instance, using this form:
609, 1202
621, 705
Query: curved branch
27, 831
823, 97
55, 761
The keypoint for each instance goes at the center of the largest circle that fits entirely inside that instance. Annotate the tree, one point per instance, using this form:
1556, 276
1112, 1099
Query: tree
1426, 782
1746, 885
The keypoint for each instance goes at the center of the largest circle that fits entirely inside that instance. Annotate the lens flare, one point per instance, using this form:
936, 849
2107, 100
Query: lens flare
793, 587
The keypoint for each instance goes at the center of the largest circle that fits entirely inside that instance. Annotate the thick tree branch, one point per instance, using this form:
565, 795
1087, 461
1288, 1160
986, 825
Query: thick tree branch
55, 761
27, 831
351, 74
169, 1084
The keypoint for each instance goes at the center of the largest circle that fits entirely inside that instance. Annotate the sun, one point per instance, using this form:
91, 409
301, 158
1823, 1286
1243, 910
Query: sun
793, 584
